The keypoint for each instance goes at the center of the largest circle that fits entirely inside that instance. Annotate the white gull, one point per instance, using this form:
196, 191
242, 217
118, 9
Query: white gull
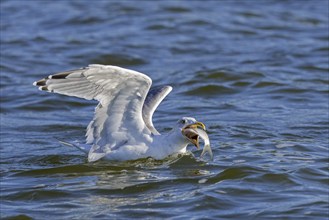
122, 127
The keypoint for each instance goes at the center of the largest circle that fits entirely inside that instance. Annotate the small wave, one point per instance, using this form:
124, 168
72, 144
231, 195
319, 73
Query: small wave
264, 84
176, 9
210, 90
118, 59
234, 173
38, 195
15, 217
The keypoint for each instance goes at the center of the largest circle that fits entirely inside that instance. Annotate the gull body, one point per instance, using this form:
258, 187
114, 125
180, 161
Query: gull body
122, 127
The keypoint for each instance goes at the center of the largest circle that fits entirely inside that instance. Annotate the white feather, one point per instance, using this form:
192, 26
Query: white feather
122, 126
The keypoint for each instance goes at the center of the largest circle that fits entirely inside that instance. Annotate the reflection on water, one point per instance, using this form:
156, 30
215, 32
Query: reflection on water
256, 74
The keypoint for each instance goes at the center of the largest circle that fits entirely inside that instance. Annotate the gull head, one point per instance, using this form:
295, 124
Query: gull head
190, 129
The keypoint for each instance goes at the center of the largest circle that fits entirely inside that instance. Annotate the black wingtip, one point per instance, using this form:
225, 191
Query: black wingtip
41, 82
60, 75
43, 88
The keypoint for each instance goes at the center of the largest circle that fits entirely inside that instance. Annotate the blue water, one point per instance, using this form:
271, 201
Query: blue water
255, 72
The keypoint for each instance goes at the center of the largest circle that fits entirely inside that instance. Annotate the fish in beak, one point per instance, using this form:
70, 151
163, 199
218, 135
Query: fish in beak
193, 131
192, 134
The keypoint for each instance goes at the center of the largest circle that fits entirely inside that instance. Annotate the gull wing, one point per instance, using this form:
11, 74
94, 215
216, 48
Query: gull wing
152, 101
118, 117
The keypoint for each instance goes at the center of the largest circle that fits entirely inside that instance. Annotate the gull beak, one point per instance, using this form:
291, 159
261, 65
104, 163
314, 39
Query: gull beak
191, 133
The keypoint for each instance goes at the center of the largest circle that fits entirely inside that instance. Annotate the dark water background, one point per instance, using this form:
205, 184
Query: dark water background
255, 72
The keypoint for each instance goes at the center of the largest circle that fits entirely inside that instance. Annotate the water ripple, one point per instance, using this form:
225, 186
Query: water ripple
256, 74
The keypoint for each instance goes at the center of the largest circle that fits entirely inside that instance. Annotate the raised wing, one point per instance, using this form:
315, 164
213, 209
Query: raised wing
121, 93
152, 101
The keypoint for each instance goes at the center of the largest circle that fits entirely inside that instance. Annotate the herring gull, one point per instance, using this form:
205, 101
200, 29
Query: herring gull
122, 127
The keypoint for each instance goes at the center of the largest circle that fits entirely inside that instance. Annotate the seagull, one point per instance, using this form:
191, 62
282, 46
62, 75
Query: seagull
122, 127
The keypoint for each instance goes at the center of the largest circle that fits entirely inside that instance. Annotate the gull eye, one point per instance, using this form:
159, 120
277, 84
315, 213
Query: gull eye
183, 121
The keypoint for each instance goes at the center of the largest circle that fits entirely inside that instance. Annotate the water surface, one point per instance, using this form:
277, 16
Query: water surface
255, 72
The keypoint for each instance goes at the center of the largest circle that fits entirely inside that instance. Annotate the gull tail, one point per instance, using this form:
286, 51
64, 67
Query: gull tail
82, 147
